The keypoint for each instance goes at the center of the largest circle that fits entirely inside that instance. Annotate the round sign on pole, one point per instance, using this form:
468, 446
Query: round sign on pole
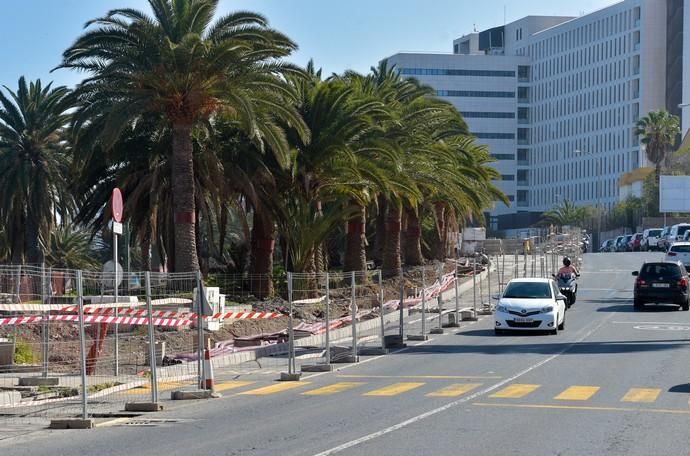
116, 205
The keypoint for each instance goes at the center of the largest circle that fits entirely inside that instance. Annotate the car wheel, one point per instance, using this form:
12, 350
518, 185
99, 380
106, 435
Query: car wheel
638, 305
685, 306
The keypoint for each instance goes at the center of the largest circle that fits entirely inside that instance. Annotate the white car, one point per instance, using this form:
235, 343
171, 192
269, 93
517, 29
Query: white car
530, 304
679, 252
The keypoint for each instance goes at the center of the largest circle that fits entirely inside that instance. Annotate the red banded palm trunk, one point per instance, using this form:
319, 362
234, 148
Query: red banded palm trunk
186, 259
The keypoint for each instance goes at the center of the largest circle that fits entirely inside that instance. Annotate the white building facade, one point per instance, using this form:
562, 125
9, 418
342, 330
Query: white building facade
580, 84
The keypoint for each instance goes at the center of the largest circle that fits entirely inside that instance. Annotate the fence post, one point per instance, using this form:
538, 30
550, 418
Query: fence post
488, 281
423, 301
328, 320
503, 270
401, 322
44, 323
474, 286
353, 310
152, 339
382, 309
116, 290
291, 339
199, 331
457, 297
82, 346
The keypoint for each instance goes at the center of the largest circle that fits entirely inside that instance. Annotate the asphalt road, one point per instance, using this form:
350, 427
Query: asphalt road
615, 382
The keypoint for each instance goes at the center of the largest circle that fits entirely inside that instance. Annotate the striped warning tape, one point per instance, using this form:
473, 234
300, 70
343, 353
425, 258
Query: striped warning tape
170, 314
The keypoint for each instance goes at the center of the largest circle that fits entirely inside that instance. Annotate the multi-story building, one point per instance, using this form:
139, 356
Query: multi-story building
556, 98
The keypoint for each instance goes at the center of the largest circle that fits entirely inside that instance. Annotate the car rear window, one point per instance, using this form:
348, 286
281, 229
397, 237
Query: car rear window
665, 270
527, 290
683, 229
680, 248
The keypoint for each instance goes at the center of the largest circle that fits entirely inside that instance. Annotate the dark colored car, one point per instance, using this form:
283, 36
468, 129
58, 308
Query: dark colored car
661, 282
622, 244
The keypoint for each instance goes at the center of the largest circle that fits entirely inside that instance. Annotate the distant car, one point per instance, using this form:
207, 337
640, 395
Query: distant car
650, 239
634, 244
622, 245
686, 236
661, 282
662, 242
606, 245
679, 251
530, 304
616, 243
677, 232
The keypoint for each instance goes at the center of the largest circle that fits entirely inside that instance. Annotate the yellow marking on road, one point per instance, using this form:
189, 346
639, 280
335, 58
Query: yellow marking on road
333, 389
641, 395
232, 384
426, 377
162, 386
582, 407
515, 391
272, 389
578, 393
394, 389
457, 389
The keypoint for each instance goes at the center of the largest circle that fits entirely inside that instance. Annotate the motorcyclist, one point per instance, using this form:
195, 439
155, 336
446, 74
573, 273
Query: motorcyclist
568, 268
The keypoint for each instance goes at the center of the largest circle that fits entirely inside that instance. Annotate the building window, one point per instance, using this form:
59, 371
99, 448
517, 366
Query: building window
484, 135
503, 156
474, 94
456, 48
449, 72
508, 177
488, 115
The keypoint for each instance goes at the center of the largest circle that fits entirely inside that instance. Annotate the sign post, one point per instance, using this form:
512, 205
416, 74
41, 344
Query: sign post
117, 208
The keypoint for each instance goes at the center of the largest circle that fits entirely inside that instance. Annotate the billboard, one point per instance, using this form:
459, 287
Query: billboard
674, 193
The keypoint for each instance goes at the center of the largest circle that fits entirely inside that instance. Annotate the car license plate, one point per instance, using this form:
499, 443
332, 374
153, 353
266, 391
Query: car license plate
660, 285
523, 320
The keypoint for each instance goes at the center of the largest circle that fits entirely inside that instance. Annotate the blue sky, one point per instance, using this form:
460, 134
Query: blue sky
338, 35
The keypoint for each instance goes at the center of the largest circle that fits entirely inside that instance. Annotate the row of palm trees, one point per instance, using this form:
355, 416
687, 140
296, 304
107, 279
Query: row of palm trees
206, 128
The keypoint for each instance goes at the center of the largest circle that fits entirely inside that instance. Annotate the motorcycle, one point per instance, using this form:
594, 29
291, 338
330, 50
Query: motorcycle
567, 285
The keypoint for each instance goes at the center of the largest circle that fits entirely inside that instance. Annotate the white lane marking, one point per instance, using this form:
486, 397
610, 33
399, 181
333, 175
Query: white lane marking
662, 327
464, 399
649, 323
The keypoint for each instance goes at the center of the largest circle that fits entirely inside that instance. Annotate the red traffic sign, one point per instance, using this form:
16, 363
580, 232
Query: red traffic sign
116, 205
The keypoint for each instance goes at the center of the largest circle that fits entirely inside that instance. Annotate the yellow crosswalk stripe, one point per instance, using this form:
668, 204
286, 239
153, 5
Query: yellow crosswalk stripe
641, 395
394, 389
277, 388
578, 393
456, 389
232, 384
515, 391
146, 388
333, 389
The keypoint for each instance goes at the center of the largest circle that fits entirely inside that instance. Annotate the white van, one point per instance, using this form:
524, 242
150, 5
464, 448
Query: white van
677, 232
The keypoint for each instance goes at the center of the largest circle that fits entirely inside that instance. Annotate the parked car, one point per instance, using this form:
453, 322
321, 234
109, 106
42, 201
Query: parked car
634, 244
650, 239
686, 236
677, 232
530, 304
606, 245
662, 242
661, 282
679, 251
622, 245
616, 243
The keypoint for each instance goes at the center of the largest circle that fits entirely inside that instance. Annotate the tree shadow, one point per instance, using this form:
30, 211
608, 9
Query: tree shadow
682, 388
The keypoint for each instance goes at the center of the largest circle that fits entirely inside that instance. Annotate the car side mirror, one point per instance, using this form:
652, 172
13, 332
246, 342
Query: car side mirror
636, 273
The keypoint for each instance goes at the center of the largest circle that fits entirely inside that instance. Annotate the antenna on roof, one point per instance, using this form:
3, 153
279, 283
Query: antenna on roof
475, 27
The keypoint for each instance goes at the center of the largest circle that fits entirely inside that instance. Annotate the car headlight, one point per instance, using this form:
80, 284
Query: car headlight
547, 309
502, 308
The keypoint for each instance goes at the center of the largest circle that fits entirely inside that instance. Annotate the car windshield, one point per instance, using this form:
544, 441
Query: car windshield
683, 229
660, 270
680, 248
654, 233
528, 290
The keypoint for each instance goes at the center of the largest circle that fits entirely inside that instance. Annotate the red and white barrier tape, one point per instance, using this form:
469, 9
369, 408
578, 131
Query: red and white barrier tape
171, 314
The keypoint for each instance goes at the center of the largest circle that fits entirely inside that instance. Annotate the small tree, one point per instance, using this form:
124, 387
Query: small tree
658, 131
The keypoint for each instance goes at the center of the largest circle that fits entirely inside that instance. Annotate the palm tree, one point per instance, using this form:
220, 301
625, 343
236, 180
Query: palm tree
71, 249
566, 214
178, 64
34, 165
658, 131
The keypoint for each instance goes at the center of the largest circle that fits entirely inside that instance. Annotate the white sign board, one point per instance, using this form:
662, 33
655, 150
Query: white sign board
674, 194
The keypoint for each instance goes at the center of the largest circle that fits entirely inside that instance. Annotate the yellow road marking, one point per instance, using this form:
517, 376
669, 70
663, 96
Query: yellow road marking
578, 393
582, 407
515, 391
425, 377
277, 388
232, 384
641, 395
457, 389
162, 386
332, 389
394, 389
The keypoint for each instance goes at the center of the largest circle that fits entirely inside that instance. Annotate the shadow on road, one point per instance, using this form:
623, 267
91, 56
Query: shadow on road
683, 388
578, 348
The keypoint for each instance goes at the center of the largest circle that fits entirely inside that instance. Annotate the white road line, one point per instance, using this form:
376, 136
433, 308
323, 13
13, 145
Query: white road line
650, 323
471, 397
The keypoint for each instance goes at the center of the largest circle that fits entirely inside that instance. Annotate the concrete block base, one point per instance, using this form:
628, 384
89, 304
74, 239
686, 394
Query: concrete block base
436, 331
468, 315
72, 423
286, 377
417, 337
394, 341
39, 381
316, 367
452, 325
190, 395
346, 359
10, 398
143, 407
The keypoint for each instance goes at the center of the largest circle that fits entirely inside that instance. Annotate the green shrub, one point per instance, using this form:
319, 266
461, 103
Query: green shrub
23, 353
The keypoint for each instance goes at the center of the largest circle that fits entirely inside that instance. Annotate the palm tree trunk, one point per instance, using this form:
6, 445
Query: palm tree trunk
391, 250
412, 247
380, 235
186, 258
261, 255
34, 255
355, 242
438, 242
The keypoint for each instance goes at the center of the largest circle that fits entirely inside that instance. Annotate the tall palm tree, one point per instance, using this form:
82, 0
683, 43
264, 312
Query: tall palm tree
177, 63
658, 131
34, 165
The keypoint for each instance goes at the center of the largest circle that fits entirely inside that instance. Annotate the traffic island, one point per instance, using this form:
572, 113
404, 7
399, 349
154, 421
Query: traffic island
72, 423
143, 407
